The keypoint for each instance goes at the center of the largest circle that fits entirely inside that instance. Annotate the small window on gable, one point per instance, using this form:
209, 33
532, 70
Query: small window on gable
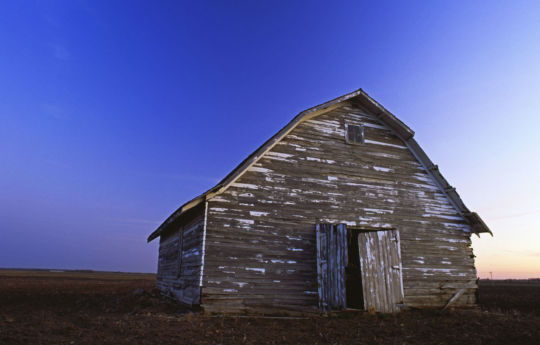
354, 134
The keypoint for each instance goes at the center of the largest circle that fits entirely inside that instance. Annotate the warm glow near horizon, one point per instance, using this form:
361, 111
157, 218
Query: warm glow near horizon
513, 252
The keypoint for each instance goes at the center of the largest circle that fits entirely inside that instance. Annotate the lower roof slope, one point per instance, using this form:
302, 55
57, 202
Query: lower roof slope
356, 97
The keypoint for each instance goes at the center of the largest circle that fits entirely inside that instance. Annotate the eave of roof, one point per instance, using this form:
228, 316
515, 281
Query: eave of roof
363, 99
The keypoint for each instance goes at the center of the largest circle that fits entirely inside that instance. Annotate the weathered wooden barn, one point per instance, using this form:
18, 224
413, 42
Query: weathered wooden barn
339, 209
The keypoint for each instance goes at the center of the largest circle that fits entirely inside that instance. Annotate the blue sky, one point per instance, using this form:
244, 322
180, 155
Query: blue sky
114, 114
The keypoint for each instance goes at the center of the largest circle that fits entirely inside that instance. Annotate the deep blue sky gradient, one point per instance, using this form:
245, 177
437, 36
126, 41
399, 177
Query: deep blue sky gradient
114, 113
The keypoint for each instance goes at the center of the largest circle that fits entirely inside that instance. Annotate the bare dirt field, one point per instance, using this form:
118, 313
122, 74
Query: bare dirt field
41, 307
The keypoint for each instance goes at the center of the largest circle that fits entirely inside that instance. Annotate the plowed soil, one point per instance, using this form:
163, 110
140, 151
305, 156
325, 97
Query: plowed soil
39, 307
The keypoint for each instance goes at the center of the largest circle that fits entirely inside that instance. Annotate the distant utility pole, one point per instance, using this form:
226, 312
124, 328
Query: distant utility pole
491, 275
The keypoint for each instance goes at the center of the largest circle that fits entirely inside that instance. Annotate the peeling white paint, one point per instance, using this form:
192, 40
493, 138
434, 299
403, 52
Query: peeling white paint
258, 213
261, 270
367, 141
421, 185
426, 215
382, 225
371, 125
246, 195
382, 154
378, 211
453, 240
431, 270
447, 247
219, 199
245, 185
315, 180
279, 154
382, 169
259, 169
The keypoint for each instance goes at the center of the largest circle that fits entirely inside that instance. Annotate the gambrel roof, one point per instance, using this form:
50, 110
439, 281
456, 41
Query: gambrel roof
358, 97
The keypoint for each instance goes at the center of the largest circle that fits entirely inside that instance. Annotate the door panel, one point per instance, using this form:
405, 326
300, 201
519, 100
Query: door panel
380, 262
331, 262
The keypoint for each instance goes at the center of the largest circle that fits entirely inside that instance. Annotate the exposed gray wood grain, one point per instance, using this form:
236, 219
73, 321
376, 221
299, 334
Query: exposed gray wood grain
179, 261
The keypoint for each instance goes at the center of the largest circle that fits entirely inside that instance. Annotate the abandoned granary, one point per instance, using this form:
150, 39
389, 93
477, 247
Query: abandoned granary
340, 209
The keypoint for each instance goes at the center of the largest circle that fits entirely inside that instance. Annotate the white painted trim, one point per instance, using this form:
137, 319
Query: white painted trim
400, 266
203, 250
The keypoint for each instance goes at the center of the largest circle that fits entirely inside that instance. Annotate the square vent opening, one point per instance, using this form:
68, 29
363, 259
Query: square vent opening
354, 134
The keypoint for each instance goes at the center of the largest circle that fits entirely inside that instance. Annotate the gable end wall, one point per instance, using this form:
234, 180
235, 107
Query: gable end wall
260, 244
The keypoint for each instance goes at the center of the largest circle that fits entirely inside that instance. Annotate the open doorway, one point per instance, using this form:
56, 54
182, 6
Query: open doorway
358, 268
353, 274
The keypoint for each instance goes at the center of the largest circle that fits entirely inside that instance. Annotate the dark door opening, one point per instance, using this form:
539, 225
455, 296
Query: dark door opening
353, 274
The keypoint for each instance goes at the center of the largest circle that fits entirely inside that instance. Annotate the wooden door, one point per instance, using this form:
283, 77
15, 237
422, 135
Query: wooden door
380, 263
331, 262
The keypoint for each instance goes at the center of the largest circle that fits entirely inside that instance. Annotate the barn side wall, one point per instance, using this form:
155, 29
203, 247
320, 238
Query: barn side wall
260, 244
180, 251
